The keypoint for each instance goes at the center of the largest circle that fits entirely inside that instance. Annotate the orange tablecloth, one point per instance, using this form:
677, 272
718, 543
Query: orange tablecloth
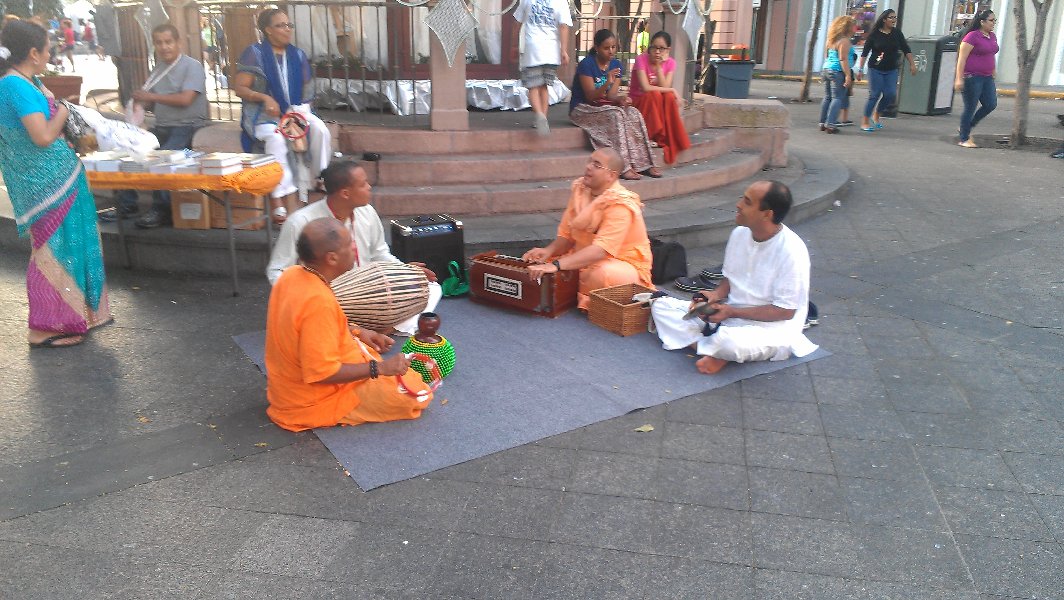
259, 181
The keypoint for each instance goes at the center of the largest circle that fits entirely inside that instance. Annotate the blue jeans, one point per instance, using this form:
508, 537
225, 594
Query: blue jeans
981, 89
880, 84
834, 96
170, 138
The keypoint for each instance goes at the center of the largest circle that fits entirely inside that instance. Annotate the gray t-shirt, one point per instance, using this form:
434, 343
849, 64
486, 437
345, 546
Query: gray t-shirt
187, 74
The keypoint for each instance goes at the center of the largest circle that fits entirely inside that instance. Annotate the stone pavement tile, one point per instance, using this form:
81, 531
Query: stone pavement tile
805, 545
863, 423
684, 579
961, 430
568, 440
292, 546
241, 585
874, 460
904, 374
44, 572
525, 466
250, 431
1018, 568
907, 503
1038, 473
958, 345
705, 484
383, 557
927, 397
994, 513
841, 365
618, 435
788, 585
796, 493
591, 573
807, 453
896, 347
703, 442
722, 408
614, 474
849, 344
650, 527
792, 385
912, 556
142, 530
1051, 509
887, 327
440, 503
1029, 435
784, 417
508, 511
867, 393
966, 468
483, 566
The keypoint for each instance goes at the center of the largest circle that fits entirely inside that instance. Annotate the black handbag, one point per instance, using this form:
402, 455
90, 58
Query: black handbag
669, 260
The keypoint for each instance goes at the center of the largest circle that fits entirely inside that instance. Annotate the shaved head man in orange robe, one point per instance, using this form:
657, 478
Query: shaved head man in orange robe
319, 371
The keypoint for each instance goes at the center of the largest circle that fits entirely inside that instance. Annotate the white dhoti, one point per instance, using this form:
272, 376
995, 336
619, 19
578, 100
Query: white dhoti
736, 340
409, 326
319, 150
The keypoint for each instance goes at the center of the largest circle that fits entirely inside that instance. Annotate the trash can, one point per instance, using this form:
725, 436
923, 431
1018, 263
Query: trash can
930, 91
729, 78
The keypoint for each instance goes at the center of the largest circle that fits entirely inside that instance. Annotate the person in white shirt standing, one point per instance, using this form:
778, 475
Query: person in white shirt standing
760, 305
544, 32
349, 194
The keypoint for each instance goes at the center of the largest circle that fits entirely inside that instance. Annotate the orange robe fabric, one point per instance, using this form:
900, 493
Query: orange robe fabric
307, 340
614, 222
661, 112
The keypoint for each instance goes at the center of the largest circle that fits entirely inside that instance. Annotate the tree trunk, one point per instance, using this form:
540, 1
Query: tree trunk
807, 78
1025, 60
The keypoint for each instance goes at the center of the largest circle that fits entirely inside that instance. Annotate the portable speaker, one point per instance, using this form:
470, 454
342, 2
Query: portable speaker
432, 239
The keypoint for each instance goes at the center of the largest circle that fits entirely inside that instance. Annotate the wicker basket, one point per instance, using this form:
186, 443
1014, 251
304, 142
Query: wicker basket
613, 310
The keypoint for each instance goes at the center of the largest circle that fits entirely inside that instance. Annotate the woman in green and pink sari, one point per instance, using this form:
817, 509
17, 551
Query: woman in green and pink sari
50, 196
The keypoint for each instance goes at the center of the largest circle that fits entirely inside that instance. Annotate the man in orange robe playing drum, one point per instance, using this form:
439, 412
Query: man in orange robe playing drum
602, 233
320, 372
348, 200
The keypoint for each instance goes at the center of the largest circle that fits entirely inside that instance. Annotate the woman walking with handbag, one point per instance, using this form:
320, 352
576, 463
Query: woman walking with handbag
976, 69
837, 76
50, 196
884, 44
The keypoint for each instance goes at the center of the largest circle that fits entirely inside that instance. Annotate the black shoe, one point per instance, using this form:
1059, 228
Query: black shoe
716, 272
695, 284
152, 219
812, 317
110, 215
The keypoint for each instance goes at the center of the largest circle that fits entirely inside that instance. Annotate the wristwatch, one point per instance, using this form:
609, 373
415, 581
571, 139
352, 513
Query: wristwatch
557, 265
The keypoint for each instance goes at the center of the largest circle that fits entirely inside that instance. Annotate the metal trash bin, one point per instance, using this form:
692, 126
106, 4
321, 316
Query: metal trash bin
729, 78
930, 91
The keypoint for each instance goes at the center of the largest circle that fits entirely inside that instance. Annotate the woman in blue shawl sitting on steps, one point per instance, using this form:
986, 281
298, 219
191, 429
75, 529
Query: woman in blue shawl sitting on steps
273, 78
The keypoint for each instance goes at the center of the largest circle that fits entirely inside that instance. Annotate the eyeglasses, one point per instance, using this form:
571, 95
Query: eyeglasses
597, 165
660, 48
895, 17
990, 20
285, 26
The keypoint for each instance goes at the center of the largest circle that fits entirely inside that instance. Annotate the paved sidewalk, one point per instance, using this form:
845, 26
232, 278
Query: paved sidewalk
924, 460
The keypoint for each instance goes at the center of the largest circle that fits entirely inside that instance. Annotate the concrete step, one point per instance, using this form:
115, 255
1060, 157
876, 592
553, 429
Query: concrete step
547, 195
414, 170
699, 219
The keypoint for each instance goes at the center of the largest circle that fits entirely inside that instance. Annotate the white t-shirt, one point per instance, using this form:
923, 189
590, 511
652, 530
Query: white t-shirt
775, 272
539, 33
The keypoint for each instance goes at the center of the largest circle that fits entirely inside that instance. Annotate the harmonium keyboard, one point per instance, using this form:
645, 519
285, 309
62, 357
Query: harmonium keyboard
501, 280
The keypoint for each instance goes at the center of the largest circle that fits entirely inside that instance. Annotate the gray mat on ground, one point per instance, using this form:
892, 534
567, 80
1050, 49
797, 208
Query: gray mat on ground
518, 379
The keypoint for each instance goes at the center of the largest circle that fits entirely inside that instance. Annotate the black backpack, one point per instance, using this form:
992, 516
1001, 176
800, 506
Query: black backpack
669, 260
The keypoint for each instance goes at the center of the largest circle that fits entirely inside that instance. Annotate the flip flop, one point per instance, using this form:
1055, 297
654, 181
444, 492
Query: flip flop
879, 126
51, 342
868, 129
652, 172
630, 176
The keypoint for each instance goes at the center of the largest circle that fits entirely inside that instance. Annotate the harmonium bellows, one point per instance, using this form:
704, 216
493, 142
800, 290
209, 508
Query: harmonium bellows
505, 281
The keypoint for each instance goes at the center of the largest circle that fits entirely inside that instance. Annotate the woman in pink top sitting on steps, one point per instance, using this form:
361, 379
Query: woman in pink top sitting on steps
652, 93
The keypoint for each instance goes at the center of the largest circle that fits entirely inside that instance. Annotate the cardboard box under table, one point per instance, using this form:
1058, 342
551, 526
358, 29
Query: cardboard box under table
248, 211
614, 310
190, 210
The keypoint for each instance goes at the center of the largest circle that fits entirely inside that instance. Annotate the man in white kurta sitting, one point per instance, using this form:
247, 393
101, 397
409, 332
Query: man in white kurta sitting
760, 304
348, 196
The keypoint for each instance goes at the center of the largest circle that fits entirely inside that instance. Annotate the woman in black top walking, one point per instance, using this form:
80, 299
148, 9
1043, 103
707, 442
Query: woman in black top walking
884, 44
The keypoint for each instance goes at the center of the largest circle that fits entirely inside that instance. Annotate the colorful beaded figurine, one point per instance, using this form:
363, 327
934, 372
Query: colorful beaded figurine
428, 342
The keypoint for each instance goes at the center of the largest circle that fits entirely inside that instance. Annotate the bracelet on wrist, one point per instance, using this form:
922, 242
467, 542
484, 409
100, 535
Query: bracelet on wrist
374, 370
557, 264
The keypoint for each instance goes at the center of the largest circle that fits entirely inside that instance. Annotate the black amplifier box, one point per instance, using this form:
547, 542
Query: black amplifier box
434, 240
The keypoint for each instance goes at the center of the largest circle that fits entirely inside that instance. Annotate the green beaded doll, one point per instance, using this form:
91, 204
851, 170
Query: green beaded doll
427, 341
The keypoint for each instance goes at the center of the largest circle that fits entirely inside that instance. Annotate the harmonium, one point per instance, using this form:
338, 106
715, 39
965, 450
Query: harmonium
505, 281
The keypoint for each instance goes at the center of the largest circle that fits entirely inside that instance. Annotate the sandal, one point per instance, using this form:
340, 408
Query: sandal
652, 172
631, 175
51, 341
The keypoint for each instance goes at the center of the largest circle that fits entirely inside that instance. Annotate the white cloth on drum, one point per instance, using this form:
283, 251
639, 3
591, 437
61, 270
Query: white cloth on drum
409, 326
736, 340
319, 150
